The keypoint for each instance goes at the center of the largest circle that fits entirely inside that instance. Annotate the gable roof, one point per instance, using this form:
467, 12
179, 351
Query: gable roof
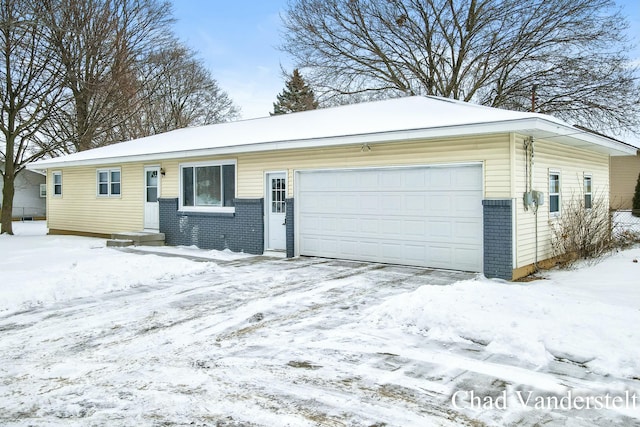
399, 119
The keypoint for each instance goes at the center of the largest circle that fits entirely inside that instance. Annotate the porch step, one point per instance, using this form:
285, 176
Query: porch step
119, 243
141, 238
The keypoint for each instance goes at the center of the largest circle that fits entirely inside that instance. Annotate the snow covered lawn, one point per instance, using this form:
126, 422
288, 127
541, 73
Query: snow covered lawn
96, 336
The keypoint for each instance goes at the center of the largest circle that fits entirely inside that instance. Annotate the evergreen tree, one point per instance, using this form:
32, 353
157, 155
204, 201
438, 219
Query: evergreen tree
636, 199
296, 96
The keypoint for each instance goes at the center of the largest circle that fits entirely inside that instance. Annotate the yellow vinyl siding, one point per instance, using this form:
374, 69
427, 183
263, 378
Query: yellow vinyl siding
493, 151
624, 176
171, 180
81, 209
572, 164
251, 167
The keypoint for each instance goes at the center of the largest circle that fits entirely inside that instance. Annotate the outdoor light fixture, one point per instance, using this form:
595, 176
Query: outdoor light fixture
162, 172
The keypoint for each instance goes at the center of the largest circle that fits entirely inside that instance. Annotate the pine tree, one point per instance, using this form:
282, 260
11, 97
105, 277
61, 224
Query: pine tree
296, 96
636, 199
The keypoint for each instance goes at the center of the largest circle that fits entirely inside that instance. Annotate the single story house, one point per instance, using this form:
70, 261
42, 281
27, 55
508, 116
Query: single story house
29, 198
423, 181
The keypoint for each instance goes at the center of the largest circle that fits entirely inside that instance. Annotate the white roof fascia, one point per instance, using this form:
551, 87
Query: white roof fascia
533, 126
578, 138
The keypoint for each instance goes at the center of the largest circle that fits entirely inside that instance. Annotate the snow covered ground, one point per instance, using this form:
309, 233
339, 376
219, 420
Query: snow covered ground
97, 336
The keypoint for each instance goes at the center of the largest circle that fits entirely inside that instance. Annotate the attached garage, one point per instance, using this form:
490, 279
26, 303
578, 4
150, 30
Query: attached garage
423, 216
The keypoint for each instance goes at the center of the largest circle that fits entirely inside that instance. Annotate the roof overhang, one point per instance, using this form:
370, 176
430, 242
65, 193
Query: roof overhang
536, 127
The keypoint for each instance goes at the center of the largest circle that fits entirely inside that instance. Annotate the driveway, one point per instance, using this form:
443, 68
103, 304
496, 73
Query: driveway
251, 342
229, 347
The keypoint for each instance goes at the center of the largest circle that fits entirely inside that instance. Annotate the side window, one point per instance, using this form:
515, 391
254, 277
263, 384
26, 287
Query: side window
103, 183
114, 181
108, 182
57, 183
554, 193
587, 192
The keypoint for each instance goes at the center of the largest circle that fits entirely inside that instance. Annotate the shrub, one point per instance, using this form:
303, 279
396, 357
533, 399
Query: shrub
582, 233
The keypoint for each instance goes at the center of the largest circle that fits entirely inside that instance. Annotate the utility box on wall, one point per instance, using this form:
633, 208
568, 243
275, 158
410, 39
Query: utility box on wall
531, 198
538, 197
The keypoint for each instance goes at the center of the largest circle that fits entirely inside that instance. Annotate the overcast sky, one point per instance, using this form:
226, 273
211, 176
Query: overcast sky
238, 41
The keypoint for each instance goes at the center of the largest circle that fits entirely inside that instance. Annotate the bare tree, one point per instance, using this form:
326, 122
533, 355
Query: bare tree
487, 51
100, 44
29, 93
179, 92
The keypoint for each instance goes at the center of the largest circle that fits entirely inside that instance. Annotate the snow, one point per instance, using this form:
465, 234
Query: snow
195, 252
536, 321
294, 130
61, 268
91, 335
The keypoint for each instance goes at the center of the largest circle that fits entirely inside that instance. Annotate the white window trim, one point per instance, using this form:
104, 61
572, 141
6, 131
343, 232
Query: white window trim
590, 176
219, 209
53, 184
108, 171
559, 193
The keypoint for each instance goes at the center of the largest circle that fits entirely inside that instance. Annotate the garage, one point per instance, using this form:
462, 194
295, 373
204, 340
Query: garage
428, 216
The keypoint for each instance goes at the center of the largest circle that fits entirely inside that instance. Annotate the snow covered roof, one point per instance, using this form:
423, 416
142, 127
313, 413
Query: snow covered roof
391, 120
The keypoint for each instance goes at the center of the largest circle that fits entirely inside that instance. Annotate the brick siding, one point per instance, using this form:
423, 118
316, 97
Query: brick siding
242, 231
498, 239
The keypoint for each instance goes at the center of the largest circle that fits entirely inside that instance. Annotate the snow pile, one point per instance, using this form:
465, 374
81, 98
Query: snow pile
582, 315
196, 252
75, 267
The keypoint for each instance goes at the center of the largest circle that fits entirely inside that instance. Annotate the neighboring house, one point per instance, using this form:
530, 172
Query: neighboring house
29, 200
422, 181
623, 174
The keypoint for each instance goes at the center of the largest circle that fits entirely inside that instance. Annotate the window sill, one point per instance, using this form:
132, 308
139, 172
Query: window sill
228, 212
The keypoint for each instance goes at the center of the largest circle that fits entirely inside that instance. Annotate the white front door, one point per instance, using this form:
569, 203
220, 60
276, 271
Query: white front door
276, 191
151, 193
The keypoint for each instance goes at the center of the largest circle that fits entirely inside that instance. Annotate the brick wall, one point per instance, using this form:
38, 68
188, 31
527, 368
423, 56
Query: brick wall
498, 239
290, 230
242, 231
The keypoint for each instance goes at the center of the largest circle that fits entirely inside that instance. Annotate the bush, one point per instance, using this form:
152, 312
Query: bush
581, 233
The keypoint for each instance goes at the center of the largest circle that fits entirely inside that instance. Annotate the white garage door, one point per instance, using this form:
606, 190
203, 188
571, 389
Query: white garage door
423, 216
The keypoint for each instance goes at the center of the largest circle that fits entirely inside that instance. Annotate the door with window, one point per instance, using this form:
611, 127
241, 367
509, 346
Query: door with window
151, 193
276, 191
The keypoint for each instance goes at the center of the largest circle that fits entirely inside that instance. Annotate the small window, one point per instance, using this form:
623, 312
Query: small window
587, 192
554, 193
114, 182
43, 190
208, 186
57, 183
108, 182
278, 195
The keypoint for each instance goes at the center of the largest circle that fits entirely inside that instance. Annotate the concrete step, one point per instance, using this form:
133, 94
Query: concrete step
119, 243
141, 238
